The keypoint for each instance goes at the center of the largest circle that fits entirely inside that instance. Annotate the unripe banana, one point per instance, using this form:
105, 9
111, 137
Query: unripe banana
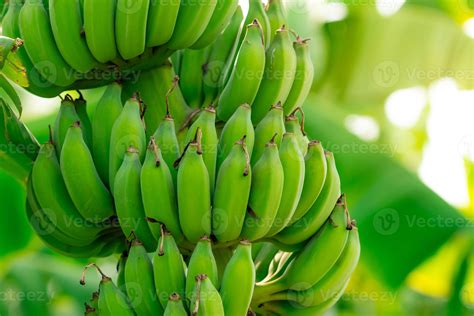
325, 248
86, 126
128, 131
315, 176
264, 198
66, 24
193, 18
54, 199
303, 78
107, 111
157, 86
232, 194
264, 258
175, 306
206, 299
66, 117
257, 12
158, 193
176, 59
293, 164
312, 221
167, 141
130, 27
293, 125
191, 76
206, 123
140, 281
40, 45
194, 196
83, 183
170, 276
280, 69
161, 21
121, 283
238, 281
276, 16
221, 51
111, 300
333, 281
272, 124
246, 75
99, 26
219, 21
128, 200
202, 262
239, 125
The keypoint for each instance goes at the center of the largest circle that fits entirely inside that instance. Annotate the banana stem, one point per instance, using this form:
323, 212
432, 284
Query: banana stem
262, 293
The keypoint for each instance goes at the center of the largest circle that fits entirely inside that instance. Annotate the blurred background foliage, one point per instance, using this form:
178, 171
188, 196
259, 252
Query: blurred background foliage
394, 100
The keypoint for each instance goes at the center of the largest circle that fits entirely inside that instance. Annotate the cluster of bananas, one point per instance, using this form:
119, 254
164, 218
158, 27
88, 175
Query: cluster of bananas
83, 43
170, 284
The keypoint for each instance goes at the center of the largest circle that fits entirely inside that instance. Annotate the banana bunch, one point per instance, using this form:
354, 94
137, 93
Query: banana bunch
72, 44
254, 61
203, 283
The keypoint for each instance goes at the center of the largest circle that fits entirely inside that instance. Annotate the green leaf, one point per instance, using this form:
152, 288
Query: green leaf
402, 222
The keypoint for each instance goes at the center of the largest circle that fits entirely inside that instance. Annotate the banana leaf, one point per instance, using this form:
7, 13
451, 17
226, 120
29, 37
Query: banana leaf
402, 222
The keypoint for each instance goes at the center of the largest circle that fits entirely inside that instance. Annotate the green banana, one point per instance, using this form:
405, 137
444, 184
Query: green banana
220, 52
83, 183
66, 23
107, 111
80, 105
66, 117
303, 77
278, 77
293, 125
158, 193
140, 282
219, 21
264, 199
333, 281
276, 16
312, 221
39, 41
167, 141
239, 125
232, 193
161, 21
54, 199
121, 283
272, 124
157, 86
99, 26
206, 299
316, 169
128, 131
191, 75
176, 59
257, 12
325, 248
128, 200
193, 181
130, 27
202, 262
238, 281
246, 74
206, 123
170, 276
175, 306
263, 259
111, 300
57, 240
193, 18
293, 164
